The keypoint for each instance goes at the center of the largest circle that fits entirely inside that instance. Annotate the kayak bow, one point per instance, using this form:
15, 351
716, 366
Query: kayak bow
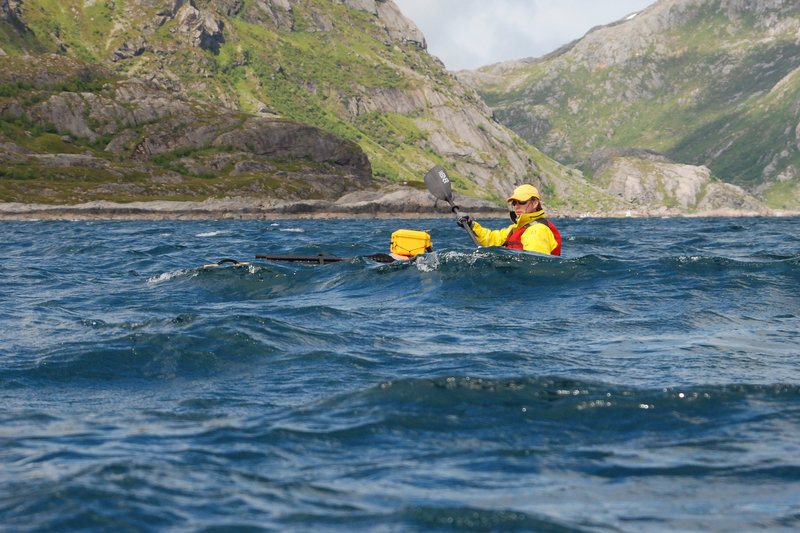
233, 262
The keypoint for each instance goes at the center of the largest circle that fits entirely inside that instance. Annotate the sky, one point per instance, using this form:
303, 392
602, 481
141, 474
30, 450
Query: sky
467, 34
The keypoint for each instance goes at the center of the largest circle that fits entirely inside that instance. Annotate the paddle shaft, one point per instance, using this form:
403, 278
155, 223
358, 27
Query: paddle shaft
438, 184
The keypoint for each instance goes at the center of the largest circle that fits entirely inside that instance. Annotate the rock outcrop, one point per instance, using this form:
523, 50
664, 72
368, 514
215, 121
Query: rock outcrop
202, 28
642, 179
11, 13
131, 128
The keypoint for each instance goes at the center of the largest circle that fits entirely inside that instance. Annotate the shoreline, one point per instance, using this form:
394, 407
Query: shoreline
237, 209
404, 207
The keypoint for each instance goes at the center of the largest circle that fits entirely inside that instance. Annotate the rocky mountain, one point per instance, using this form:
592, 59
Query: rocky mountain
277, 99
72, 132
355, 68
709, 83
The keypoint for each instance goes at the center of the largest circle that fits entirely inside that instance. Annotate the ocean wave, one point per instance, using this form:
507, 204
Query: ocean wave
167, 276
585, 407
500, 266
357, 458
447, 518
192, 345
213, 233
646, 380
577, 393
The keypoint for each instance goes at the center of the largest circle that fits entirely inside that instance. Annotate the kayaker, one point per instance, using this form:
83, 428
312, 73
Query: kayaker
531, 231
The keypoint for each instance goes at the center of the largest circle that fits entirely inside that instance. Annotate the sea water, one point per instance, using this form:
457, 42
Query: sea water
647, 381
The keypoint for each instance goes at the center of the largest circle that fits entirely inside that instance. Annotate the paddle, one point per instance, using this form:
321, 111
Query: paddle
325, 258
439, 186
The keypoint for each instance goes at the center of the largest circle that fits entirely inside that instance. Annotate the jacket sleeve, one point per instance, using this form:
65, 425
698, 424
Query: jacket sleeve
538, 238
489, 237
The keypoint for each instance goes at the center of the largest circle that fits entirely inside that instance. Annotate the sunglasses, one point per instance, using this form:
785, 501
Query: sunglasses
516, 202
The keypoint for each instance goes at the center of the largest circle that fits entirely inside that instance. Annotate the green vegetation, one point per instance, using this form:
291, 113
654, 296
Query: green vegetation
320, 63
784, 194
342, 67
719, 89
77, 183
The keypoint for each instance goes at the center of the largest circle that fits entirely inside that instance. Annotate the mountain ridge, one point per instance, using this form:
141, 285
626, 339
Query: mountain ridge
355, 68
712, 84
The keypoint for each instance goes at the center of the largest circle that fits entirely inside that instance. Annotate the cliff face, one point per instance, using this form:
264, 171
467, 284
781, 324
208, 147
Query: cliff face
712, 83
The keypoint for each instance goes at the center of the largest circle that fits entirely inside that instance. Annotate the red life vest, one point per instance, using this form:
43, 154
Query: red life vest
514, 239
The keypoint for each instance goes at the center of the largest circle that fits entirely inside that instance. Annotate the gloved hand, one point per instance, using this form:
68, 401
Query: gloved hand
463, 219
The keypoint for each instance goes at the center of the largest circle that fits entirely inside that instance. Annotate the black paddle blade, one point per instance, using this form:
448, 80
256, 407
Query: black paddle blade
439, 184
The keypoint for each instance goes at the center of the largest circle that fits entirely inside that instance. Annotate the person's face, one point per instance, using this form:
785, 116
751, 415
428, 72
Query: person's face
531, 206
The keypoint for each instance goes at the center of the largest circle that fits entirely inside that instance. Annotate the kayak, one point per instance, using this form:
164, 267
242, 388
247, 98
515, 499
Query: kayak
405, 244
319, 259
324, 259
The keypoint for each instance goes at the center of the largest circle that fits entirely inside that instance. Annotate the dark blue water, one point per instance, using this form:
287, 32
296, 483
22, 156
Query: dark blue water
649, 381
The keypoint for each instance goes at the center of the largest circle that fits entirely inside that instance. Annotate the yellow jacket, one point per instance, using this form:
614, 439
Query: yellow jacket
537, 238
